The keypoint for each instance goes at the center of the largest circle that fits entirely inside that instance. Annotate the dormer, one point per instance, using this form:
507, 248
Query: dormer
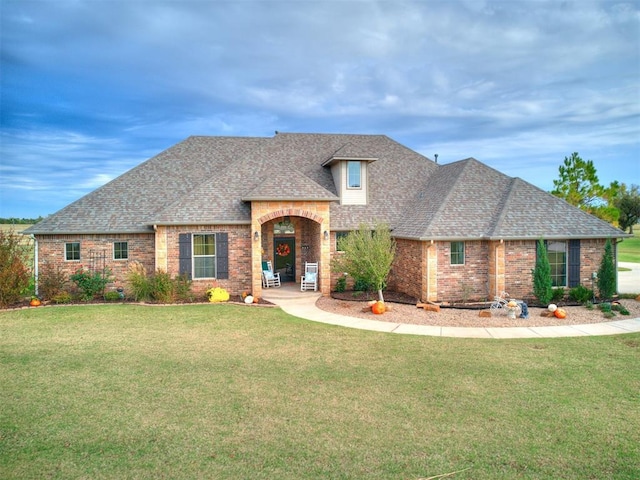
350, 175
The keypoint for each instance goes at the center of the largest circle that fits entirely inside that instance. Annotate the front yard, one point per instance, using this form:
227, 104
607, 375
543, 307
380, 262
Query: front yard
224, 391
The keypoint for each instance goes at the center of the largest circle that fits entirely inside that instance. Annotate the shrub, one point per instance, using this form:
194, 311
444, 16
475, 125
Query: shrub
51, 281
14, 273
557, 294
62, 297
607, 273
605, 307
581, 294
161, 287
138, 282
91, 284
361, 285
542, 284
182, 288
112, 296
620, 309
341, 284
217, 294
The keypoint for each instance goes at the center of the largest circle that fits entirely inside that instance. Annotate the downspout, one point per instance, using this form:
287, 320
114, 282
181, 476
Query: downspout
35, 262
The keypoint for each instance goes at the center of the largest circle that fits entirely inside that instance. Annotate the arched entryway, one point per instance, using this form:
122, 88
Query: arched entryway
289, 237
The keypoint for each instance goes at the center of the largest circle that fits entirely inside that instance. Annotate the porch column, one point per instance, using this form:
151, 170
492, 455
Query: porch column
256, 258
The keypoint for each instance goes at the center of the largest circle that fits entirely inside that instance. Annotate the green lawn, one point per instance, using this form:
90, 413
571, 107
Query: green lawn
629, 249
235, 392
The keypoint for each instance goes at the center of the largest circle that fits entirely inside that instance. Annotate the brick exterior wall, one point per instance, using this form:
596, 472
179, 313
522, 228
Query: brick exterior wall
468, 281
51, 251
240, 244
408, 269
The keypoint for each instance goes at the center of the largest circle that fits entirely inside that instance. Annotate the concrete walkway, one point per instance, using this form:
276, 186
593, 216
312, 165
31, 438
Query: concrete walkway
303, 305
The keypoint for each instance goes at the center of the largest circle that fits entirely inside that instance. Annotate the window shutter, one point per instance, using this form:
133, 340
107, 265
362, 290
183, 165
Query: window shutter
574, 263
184, 254
222, 256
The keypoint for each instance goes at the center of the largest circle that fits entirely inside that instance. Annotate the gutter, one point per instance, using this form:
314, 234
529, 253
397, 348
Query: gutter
35, 262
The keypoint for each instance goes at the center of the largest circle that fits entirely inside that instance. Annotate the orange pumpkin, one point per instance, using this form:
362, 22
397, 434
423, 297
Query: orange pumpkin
378, 307
560, 313
35, 302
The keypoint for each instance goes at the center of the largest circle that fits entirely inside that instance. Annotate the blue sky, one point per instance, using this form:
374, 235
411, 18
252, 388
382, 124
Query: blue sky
91, 88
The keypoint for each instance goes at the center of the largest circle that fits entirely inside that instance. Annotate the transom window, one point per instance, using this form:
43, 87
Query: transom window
457, 253
72, 251
120, 250
354, 175
204, 255
557, 254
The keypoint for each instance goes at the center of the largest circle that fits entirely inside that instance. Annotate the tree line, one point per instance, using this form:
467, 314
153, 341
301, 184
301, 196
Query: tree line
19, 221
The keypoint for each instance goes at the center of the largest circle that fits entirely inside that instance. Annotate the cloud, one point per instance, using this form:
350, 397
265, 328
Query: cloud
93, 87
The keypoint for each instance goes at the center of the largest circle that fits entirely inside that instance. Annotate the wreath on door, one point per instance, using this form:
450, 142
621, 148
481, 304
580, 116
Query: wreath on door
283, 250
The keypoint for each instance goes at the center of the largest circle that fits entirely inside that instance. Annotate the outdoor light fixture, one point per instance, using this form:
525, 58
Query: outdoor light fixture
256, 236
326, 235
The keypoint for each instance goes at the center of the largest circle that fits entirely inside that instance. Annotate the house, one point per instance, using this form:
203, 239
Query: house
215, 208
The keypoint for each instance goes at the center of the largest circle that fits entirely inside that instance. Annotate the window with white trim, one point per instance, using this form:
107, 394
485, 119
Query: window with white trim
120, 250
72, 251
339, 237
557, 255
457, 253
204, 255
354, 174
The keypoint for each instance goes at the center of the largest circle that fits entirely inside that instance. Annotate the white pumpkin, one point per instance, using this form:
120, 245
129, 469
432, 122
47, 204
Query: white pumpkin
248, 299
552, 307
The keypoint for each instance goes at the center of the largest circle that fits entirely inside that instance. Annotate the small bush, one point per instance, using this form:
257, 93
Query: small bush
138, 282
14, 273
341, 284
51, 281
182, 288
161, 287
557, 295
361, 285
588, 305
91, 284
620, 309
111, 296
62, 297
581, 294
605, 307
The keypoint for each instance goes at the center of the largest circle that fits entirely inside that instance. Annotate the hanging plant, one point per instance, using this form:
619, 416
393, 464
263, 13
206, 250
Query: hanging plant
283, 250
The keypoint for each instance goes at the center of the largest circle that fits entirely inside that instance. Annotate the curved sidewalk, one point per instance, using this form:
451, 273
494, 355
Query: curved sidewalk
303, 305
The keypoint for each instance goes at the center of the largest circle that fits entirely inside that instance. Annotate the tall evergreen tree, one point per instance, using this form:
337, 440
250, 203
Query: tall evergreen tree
542, 284
607, 273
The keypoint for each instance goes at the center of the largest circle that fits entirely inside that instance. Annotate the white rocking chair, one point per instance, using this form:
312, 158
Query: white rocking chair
309, 280
269, 277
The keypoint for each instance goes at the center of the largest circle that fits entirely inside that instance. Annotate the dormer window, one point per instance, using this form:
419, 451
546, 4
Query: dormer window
354, 174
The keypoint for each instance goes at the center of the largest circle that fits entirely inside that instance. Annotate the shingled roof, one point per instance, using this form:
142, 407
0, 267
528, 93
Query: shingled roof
212, 180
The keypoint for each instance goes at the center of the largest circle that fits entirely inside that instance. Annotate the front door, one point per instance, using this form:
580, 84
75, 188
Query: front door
284, 252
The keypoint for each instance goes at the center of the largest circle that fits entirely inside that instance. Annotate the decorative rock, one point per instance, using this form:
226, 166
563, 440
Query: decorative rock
485, 313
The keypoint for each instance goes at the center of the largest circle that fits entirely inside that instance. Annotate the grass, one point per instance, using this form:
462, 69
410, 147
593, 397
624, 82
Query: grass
223, 391
629, 249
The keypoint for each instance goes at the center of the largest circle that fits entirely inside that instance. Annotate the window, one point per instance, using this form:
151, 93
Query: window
120, 250
353, 175
72, 251
339, 237
204, 255
557, 254
457, 253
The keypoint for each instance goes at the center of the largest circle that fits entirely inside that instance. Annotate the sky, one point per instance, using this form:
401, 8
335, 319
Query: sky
91, 88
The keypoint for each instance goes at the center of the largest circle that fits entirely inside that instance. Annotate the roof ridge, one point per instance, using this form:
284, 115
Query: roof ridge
508, 193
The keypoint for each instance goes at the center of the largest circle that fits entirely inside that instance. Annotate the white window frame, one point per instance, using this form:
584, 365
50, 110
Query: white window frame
351, 176
195, 256
558, 269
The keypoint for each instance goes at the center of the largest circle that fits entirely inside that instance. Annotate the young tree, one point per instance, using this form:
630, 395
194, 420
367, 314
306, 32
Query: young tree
578, 183
367, 254
14, 273
542, 284
628, 204
607, 273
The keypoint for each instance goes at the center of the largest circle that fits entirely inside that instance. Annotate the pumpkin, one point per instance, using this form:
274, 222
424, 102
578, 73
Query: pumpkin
552, 307
248, 299
35, 302
512, 304
256, 299
560, 313
378, 307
